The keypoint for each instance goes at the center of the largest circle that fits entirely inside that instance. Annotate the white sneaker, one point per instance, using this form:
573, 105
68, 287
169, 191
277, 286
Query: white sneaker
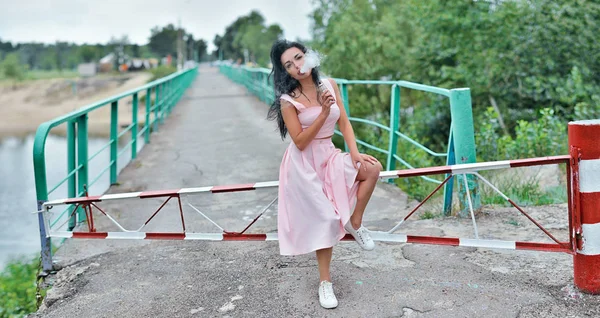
362, 236
326, 295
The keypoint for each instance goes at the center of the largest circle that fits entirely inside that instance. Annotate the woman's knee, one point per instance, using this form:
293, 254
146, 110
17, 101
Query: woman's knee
374, 170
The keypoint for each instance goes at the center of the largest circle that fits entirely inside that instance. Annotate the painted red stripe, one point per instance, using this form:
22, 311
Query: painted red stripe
422, 240
433, 240
233, 188
90, 235
244, 237
539, 161
585, 137
165, 236
586, 272
159, 193
83, 200
543, 247
590, 203
424, 171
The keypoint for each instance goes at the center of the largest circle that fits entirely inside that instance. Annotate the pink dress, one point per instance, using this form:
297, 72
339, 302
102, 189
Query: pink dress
317, 187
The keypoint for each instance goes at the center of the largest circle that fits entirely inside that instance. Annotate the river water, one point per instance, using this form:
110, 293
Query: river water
19, 231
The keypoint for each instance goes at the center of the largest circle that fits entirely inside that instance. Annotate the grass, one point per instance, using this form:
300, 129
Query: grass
523, 191
38, 75
427, 215
162, 71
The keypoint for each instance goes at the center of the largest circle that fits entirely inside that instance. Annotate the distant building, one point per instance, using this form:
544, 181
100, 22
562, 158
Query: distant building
136, 64
86, 69
107, 63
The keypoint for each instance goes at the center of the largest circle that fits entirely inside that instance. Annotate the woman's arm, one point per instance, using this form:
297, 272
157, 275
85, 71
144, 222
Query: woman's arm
302, 137
346, 128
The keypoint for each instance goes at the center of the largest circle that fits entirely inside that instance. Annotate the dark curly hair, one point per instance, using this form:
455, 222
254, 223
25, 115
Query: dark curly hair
283, 83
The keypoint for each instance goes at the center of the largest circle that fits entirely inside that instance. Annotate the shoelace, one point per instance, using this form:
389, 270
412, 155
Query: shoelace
327, 291
362, 234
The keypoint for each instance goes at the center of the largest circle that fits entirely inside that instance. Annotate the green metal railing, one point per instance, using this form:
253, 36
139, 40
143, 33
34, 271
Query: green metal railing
166, 92
461, 141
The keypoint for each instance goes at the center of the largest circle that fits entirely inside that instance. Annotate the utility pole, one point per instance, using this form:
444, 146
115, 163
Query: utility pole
179, 46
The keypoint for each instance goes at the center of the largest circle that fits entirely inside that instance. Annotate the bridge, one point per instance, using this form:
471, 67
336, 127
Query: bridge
218, 135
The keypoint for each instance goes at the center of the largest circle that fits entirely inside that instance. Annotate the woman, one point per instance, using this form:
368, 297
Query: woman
318, 184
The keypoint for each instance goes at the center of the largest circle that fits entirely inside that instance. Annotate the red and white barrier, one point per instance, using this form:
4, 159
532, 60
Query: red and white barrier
584, 202
376, 235
453, 169
584, 144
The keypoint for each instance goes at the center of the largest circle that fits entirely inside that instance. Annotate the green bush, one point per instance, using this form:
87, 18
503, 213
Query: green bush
162, 71
18, 288
545, 136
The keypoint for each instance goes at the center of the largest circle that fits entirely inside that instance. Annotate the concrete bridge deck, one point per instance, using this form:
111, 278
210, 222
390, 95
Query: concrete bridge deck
218, 135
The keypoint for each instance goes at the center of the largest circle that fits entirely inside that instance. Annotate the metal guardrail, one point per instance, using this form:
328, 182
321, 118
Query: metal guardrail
461, 141
160, 97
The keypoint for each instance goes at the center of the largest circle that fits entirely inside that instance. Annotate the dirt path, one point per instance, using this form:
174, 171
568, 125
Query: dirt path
23, 109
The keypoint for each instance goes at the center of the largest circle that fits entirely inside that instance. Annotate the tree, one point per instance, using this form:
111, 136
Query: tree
232, 48
163, 41
248, 34
88, 53
200, 47
12, 68
517, 56
5, 48
48, 61
62, 54
218, 42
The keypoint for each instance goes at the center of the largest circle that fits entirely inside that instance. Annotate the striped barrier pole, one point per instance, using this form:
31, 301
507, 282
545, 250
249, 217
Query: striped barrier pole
584, 147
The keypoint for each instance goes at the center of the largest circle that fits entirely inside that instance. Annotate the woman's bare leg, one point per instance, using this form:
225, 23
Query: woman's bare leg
324, 261
367, 182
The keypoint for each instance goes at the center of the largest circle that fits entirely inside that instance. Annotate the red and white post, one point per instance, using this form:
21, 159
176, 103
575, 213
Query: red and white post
584, 147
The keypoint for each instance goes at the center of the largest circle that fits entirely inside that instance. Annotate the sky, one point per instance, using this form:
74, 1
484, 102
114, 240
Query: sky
92, 21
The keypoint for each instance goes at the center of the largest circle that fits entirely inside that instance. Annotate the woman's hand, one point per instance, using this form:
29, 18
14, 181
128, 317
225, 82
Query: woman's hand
362, 159
327, 100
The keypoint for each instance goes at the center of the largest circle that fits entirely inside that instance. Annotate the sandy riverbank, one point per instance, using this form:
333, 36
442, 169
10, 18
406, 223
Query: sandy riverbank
23, 109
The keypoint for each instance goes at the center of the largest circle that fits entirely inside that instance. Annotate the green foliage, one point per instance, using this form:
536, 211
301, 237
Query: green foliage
163, 41
524, 192
524, 55
12, 68
545, 136
67, 56
18, 288
162, 71
88, 53
536, 62
248, 34
428, 215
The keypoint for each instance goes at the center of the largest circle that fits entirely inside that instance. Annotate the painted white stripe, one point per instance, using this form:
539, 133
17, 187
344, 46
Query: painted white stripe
388, 174
55, 202
194, 190
591, 239
589, 176
472, 167
269, 184
587, 122
117, 196
126, 235
487, 243
387, 237
204, 236
63, 234
272, 237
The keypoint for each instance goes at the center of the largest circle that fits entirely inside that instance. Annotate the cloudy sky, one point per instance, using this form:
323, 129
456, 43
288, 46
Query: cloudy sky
93, 21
